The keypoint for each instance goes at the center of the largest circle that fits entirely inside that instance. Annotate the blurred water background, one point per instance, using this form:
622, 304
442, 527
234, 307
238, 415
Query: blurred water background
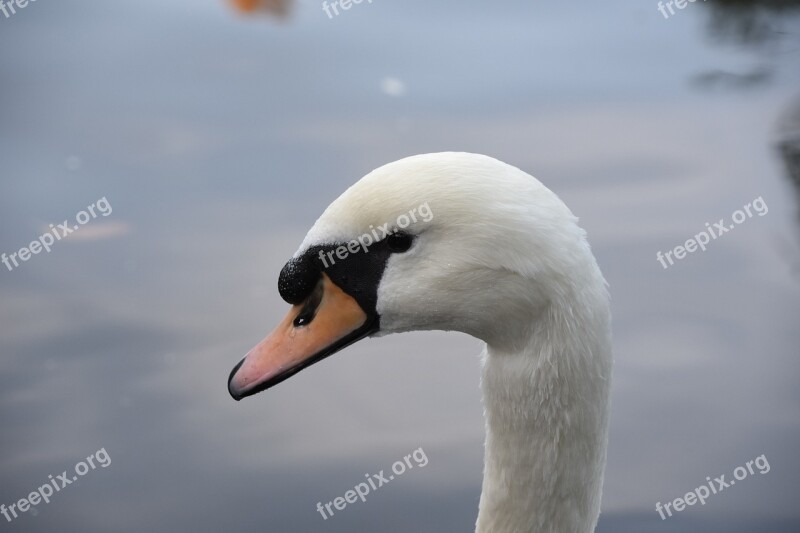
218, 132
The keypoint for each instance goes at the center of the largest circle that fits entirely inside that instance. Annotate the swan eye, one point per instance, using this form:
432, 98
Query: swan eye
310, 307
399, 242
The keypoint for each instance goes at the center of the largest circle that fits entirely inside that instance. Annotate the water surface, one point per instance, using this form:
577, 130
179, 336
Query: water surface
218, 137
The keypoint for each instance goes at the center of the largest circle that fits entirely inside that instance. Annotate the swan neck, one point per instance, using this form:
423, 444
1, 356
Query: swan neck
546, 411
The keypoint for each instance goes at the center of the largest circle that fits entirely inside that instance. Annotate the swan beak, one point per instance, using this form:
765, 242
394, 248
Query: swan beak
326, 322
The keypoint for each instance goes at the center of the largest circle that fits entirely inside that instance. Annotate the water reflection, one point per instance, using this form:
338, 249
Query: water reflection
724, 79
772, 30
789, 143
750, 22
279, 8
768, 28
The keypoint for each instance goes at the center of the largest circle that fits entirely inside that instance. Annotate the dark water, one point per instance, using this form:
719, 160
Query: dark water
217, 138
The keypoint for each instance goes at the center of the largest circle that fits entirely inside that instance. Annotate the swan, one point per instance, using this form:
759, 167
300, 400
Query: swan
500, 257
276, 7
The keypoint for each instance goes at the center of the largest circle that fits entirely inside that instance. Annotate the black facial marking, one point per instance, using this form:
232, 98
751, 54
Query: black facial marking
358, 272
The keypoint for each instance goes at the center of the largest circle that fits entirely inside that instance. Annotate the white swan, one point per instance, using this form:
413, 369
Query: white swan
497, 255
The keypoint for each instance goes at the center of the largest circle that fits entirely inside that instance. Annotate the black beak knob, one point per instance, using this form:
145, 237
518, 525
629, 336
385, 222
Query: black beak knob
298, 279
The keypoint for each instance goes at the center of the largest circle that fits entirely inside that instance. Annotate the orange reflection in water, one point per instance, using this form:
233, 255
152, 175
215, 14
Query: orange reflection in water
274, 7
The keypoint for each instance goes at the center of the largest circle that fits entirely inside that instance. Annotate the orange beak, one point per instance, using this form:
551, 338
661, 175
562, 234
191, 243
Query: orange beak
327, 321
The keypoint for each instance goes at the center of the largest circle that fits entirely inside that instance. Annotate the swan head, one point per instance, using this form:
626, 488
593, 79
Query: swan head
448, 241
